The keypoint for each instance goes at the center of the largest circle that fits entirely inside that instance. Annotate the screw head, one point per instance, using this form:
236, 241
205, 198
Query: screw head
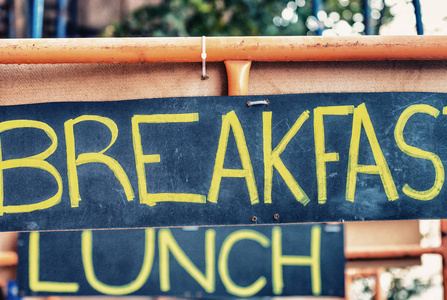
254, 219
276, 216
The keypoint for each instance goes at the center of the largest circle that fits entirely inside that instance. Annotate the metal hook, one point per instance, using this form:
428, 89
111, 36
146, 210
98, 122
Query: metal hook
251, 103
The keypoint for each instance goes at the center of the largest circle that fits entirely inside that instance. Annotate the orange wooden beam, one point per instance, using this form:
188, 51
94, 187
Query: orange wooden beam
135, 50
8, 258
390, 252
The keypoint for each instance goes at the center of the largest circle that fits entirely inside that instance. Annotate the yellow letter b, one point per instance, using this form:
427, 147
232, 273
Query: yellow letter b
37, 162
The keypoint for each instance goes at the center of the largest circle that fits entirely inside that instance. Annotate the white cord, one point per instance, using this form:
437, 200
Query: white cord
203, 59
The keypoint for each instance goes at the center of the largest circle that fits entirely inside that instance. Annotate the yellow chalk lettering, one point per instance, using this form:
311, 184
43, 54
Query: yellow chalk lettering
87, 260
167, 243
34, 269
86, 158
321, 157
272, 159
361, 117
151, 199
36, 162
418, 153
279, 260
231, 287
230, 120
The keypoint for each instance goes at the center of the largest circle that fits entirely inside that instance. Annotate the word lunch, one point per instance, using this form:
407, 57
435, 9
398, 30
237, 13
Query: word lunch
231, 261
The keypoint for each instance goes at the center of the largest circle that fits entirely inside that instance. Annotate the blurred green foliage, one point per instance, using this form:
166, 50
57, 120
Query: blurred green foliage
242, 18
400, 290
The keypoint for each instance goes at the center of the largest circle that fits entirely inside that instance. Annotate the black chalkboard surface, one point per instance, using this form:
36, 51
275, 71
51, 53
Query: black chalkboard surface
217, 161
210, 262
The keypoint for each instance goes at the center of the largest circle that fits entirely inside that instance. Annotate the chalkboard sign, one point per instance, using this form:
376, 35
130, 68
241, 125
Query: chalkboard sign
218, 161
191, 262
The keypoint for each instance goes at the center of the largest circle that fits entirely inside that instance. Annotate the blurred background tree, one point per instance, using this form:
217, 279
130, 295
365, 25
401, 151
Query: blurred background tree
251, 18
